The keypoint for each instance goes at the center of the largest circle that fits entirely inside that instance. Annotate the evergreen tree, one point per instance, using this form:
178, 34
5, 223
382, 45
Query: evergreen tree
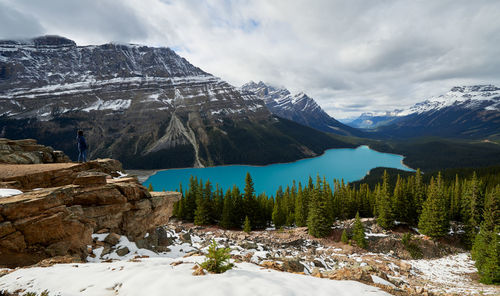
472, 205
190, 204
150, 187
218, 204
247, 227
418, 192
238, 205
384, 208
227, 211
400, 203
456, 200
318, 222
485, 250
491, 270
300, 209
358, 233
278, 215
250, 206
203, 210
434, 221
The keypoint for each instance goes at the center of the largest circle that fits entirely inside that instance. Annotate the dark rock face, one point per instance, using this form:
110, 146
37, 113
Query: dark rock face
147, 107
299, 108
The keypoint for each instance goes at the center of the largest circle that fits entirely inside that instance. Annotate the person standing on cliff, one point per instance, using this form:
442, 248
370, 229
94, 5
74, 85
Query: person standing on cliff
82, 147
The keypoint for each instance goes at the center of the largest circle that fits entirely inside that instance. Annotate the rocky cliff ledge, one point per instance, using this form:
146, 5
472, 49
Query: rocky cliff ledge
70, 202
28, 151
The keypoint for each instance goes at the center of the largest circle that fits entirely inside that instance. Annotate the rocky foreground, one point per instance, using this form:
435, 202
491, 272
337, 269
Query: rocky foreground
54, 208
277, 262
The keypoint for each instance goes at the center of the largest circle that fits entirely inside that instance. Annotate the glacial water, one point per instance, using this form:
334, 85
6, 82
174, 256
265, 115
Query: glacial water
347, 164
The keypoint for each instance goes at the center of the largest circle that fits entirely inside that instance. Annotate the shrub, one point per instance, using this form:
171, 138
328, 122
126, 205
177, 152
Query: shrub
217, 259
411, 247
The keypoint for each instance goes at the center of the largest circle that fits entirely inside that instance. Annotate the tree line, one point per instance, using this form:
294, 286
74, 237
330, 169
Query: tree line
430, 206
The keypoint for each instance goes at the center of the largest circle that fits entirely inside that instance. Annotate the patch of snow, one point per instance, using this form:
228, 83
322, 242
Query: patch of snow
121, 175
5, 192
151, 276
448, 271
115, 105
368, 234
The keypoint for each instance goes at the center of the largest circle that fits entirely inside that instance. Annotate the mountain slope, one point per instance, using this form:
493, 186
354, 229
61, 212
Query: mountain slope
299, 108
147, 107
468, 112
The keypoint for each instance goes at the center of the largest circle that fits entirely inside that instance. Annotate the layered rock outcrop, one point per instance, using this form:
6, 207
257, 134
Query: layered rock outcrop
31, 176
63, 204
28, 151
60, 220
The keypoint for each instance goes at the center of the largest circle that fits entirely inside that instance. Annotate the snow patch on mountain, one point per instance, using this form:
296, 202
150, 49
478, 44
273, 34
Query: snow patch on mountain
467, 97
116, 105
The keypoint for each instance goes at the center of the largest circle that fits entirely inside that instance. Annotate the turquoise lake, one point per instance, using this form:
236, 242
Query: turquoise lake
349, 164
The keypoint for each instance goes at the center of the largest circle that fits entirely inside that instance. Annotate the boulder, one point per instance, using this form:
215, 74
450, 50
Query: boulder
292, 265
112, 238
122, 251
356, 274
90, 179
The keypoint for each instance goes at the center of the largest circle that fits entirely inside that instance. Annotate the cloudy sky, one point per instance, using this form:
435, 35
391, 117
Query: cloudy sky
352, 56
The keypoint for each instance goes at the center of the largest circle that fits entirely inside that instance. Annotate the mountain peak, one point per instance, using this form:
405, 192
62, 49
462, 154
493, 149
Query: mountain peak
475, 88
42, 41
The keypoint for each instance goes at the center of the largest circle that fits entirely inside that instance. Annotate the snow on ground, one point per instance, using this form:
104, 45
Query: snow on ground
156, 276
4, 192
446, 272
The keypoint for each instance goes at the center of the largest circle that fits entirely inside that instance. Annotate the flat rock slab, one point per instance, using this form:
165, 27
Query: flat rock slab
14, 170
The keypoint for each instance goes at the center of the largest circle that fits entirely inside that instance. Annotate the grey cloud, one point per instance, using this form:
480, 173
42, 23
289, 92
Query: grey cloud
103, 20
351, 56
15, 24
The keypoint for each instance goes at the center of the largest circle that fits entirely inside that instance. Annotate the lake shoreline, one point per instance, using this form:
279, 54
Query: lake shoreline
144, 175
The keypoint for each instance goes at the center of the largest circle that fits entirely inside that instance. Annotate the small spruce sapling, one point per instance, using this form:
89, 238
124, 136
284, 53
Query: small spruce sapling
247, 227
150, 187
217, 259
344, 238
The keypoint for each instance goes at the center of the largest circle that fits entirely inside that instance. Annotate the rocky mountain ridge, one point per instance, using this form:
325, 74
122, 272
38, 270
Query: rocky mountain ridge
463, 112
145, 106
297, 107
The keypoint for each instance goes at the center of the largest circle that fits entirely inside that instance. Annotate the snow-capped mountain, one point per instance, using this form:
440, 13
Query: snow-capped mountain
148, 107
463, 112
485, 97
297, 107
